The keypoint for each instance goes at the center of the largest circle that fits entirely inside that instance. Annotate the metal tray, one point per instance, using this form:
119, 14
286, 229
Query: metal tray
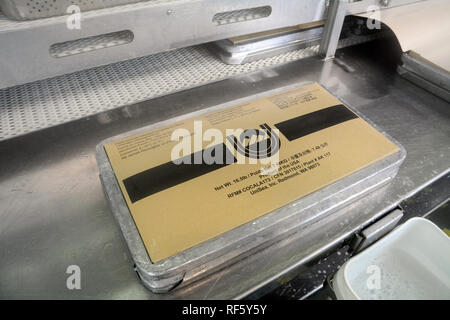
212, 255
241, 50
256, 46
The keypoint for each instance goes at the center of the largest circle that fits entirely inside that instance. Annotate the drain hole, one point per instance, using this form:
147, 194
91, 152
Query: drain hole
107, 40
241, 15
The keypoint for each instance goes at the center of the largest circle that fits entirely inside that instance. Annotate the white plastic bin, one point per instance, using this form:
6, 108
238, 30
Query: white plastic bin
412, 262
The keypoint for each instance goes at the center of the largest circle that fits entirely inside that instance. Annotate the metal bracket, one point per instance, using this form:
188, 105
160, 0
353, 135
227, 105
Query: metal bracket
375, 231
361, 6
337, 12
332, 29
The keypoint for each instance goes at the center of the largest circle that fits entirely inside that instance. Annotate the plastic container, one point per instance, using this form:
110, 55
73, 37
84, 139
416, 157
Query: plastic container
412, 262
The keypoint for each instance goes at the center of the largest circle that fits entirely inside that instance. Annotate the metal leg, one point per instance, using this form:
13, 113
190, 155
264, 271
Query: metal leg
332, 29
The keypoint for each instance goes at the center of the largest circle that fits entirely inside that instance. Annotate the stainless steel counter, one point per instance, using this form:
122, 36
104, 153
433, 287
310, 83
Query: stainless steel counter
53, 213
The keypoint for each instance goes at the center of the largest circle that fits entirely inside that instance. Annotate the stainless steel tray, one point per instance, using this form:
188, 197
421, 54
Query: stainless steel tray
212, 255
256, 46
267, 44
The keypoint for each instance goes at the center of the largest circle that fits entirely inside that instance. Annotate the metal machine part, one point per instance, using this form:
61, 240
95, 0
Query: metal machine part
425, 74
169, 24
332, 30
261, 45
424, 83
54, 101
156, 26
205, 258
426, 46
36, 9
377, 230
336, 15
268, 44
428, 39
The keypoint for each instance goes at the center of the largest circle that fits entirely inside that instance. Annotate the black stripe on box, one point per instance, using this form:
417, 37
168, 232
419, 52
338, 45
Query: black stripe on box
169, 174
315, 121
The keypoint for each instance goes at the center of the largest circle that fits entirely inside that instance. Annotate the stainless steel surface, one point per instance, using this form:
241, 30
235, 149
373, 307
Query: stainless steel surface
337, 11
53, 213
240, 15
430, 38
425, 74
69, 48
424, 83
205, 258
54, 101
332, 29
35, 9
423, 68
362, 6
377, 230
157, 26
269, 46
66, 98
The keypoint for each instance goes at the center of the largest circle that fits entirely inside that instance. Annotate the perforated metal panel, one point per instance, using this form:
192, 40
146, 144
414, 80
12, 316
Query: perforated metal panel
69, 48
157, 26
8, 24
35, 9
50, 102
242, 15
